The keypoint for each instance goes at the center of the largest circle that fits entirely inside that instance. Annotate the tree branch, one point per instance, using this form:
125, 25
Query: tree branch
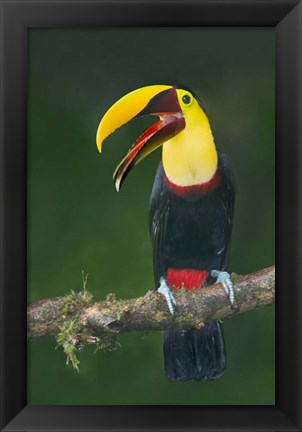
75, 320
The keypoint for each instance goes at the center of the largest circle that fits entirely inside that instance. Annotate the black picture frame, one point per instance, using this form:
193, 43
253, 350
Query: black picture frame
16, 18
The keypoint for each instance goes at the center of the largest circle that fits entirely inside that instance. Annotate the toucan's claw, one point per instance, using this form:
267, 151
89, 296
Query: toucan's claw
225, 279
165, 291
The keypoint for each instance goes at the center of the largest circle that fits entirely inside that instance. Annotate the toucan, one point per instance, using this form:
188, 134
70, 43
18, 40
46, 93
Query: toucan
191, 212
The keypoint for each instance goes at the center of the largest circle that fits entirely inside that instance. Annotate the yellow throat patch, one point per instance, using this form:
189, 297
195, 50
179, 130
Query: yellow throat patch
190, 158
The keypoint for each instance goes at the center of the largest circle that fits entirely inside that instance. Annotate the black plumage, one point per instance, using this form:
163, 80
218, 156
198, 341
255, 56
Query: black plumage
190, 226
192, 230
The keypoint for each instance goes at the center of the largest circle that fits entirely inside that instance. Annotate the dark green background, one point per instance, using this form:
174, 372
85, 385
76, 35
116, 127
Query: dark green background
76, 219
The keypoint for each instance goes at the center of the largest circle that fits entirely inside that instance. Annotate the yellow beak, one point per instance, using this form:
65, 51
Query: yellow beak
125, 109
156, 100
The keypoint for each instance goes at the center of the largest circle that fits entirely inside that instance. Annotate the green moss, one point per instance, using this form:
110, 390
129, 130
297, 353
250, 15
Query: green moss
67, 339
111, 297
75, 301
108, 344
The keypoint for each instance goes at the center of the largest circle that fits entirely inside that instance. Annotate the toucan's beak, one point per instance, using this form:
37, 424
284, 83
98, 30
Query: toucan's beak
157, 100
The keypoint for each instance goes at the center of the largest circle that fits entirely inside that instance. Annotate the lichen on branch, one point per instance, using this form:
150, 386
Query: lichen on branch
75, 320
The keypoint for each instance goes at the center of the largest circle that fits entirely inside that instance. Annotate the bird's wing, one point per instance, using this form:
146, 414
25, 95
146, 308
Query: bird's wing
158, 214
227, 206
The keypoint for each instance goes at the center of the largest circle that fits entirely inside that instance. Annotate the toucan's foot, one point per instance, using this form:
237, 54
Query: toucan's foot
225, 279
165, 291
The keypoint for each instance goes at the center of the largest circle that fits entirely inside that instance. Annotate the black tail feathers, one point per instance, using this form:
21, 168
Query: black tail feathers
194, 354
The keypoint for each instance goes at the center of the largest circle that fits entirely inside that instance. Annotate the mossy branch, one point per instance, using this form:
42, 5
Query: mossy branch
76, 320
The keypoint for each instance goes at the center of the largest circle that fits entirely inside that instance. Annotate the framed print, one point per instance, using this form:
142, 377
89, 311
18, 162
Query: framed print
64, 64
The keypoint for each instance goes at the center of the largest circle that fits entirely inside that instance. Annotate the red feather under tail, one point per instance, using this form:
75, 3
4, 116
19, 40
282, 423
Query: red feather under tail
186, 278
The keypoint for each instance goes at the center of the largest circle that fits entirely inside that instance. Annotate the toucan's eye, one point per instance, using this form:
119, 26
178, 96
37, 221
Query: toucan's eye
186, 99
